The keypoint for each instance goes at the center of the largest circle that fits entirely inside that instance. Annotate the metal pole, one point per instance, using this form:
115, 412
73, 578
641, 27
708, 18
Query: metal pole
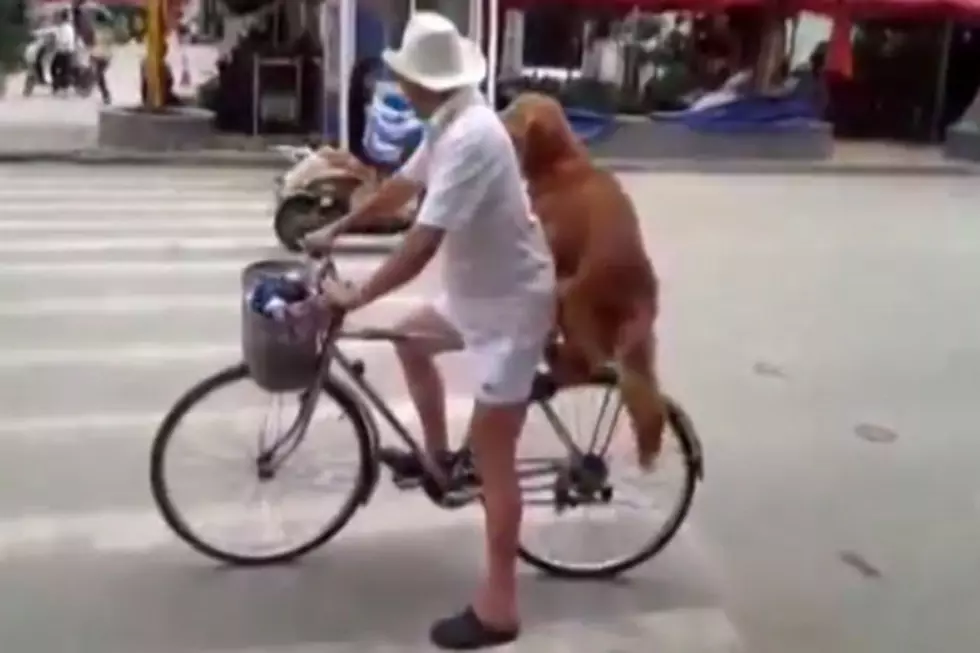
493, 46
326, 59
476, 21
942, 74
156, 35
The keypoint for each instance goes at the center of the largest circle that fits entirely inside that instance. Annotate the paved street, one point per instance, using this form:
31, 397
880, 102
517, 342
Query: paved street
118, 290
823, 332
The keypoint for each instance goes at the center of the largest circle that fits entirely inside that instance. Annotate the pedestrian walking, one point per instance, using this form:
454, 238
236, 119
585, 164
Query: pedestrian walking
65, 47
103, 42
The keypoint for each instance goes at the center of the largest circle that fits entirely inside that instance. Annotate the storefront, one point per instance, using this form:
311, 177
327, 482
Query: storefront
375, 25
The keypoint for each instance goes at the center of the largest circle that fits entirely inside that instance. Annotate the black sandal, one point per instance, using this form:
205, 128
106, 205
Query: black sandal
465, 632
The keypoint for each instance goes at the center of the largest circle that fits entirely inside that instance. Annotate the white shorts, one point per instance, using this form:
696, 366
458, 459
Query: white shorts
505, 365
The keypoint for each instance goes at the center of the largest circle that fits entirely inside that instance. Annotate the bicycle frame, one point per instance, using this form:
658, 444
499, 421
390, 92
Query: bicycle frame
369, 398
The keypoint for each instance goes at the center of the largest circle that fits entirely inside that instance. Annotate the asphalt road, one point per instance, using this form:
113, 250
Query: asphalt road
119, 288
823, 332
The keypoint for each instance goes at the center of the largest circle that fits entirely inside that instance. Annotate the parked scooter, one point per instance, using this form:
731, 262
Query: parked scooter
82, 73
321, 187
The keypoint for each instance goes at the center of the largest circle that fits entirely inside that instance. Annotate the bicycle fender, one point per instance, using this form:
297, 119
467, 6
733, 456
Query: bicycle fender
681, 421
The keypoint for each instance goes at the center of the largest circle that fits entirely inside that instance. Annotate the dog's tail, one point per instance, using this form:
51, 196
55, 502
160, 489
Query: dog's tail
639, 385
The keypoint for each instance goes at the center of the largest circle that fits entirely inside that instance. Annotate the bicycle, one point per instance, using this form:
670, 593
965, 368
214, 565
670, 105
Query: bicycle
573, 480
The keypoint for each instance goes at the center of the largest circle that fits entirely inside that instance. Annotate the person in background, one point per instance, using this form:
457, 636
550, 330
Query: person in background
65, 46
103, 39
170, 98
36, 56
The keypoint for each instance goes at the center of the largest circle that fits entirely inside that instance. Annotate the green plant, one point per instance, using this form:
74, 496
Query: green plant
14, 34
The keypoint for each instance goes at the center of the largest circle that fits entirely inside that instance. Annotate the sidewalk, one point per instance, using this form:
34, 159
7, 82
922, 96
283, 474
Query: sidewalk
47, 129
244, 152
48, 126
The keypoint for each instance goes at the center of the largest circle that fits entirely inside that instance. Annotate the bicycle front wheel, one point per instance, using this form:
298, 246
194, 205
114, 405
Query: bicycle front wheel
629, 514
280, 506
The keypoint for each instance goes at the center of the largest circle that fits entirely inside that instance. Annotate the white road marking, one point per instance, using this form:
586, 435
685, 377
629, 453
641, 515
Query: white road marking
121, 425
57, 267
146, 355
142, 530
161, 243
176, 205
183, 224
131, 304
139, 196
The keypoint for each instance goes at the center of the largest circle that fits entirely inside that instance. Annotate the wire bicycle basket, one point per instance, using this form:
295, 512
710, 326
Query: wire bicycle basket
280, 356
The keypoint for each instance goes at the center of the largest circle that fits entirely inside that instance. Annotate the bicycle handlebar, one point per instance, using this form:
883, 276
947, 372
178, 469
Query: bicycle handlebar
320, 267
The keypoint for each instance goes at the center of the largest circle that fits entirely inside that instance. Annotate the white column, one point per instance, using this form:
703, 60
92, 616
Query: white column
328, 59
512, 53
348, 36
476, 21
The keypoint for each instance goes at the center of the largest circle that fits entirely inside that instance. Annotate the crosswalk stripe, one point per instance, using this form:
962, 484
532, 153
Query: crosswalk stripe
117, 225
122, 425
135, 196
146, 355
137, 209
139, 531
65, 180
58, 267
134, 304
164, 243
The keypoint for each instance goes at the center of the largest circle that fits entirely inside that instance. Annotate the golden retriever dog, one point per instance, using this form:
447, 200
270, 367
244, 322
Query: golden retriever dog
607, 289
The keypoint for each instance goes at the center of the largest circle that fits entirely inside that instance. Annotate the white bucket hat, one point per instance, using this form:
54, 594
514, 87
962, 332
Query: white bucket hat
435, 56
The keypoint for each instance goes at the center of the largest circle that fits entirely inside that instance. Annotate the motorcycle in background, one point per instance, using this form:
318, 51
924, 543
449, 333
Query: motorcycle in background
79, 76
321, 187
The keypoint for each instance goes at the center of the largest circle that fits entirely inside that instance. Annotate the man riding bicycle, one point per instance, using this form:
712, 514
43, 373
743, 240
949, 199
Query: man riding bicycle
498, 300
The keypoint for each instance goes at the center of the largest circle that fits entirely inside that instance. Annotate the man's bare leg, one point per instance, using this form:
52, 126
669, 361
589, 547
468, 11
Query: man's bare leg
425, 384
492, 619
494, 433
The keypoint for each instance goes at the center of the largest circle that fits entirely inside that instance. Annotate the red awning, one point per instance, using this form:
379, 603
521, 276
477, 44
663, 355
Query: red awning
965, 10
645, 5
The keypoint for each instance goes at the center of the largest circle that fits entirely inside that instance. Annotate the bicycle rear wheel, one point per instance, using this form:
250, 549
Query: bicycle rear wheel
612, 452
308, 517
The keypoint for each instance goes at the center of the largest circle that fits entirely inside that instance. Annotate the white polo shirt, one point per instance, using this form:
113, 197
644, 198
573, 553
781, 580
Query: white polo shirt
498, 271
65, 38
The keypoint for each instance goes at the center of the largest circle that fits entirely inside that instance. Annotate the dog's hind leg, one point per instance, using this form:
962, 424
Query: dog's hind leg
635, 360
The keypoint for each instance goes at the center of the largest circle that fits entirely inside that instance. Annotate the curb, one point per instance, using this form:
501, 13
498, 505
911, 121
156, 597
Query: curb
268, 160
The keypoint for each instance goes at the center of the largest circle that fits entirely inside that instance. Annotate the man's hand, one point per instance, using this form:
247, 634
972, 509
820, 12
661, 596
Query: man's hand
321, 240
344, 296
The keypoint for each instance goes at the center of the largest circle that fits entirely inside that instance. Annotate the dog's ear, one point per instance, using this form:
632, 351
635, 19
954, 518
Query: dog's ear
540, 132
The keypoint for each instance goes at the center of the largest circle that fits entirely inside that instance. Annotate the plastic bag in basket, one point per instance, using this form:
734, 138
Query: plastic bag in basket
308, 316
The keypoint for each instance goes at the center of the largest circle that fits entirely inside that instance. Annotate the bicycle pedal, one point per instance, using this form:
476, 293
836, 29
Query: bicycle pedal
405, 483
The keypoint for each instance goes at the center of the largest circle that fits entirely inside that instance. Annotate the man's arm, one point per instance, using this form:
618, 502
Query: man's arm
393, 193
416, 250
459, 181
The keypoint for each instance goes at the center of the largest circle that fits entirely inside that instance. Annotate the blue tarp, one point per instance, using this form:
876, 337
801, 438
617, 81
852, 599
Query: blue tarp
749, 114
589, 125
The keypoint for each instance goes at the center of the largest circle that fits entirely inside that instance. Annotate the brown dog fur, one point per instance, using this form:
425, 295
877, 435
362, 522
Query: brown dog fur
607, 288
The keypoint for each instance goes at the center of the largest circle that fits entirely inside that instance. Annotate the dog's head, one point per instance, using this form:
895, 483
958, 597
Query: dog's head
541, 134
